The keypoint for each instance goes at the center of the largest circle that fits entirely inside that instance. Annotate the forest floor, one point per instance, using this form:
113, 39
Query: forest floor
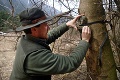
7, 54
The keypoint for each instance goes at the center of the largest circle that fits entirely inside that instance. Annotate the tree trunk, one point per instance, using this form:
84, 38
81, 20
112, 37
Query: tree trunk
94, 11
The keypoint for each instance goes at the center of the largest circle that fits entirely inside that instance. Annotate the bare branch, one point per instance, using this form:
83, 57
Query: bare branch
10, 1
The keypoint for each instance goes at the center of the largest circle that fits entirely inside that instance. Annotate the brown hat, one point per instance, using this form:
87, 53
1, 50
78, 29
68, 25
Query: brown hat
32, 17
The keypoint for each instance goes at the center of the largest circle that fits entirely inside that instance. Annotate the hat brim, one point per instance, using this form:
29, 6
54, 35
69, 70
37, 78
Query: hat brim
32, 25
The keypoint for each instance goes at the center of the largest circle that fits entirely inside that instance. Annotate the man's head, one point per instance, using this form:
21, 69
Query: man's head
34, 22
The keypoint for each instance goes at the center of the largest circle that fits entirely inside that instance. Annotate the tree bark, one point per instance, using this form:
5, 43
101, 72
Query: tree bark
94, 11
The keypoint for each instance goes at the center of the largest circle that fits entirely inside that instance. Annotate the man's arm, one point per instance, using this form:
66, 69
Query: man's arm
56, 32
47, 63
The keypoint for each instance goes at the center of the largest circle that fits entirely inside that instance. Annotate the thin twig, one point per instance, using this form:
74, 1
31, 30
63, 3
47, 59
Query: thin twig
10, 1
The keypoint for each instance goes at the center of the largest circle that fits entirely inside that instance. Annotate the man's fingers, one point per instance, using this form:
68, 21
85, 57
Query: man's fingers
89, 31
77, 17
86, 33
86, 29
83, 29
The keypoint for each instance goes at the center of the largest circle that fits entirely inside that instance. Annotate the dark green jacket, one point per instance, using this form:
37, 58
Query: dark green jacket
35, 59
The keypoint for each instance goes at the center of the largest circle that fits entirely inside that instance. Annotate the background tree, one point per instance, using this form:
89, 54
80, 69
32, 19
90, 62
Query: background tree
117, 2
7, 21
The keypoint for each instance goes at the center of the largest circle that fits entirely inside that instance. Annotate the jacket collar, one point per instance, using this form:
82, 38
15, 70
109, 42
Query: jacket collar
34, 39
37, 40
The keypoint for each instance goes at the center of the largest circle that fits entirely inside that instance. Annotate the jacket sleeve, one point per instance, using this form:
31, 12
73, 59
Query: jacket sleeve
56, 32
47, 63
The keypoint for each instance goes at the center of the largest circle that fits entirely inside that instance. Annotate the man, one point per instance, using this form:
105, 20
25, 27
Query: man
34, 60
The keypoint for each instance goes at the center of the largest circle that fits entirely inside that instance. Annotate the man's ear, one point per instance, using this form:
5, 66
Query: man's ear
33, 29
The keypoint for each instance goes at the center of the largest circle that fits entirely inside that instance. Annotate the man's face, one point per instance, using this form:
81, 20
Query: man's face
41, 31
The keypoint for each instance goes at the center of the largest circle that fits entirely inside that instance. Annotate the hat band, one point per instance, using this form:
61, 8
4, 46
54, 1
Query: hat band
39, 19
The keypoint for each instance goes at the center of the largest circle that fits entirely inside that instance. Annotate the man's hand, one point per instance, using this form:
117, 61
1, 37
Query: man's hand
72, 23
86, 33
